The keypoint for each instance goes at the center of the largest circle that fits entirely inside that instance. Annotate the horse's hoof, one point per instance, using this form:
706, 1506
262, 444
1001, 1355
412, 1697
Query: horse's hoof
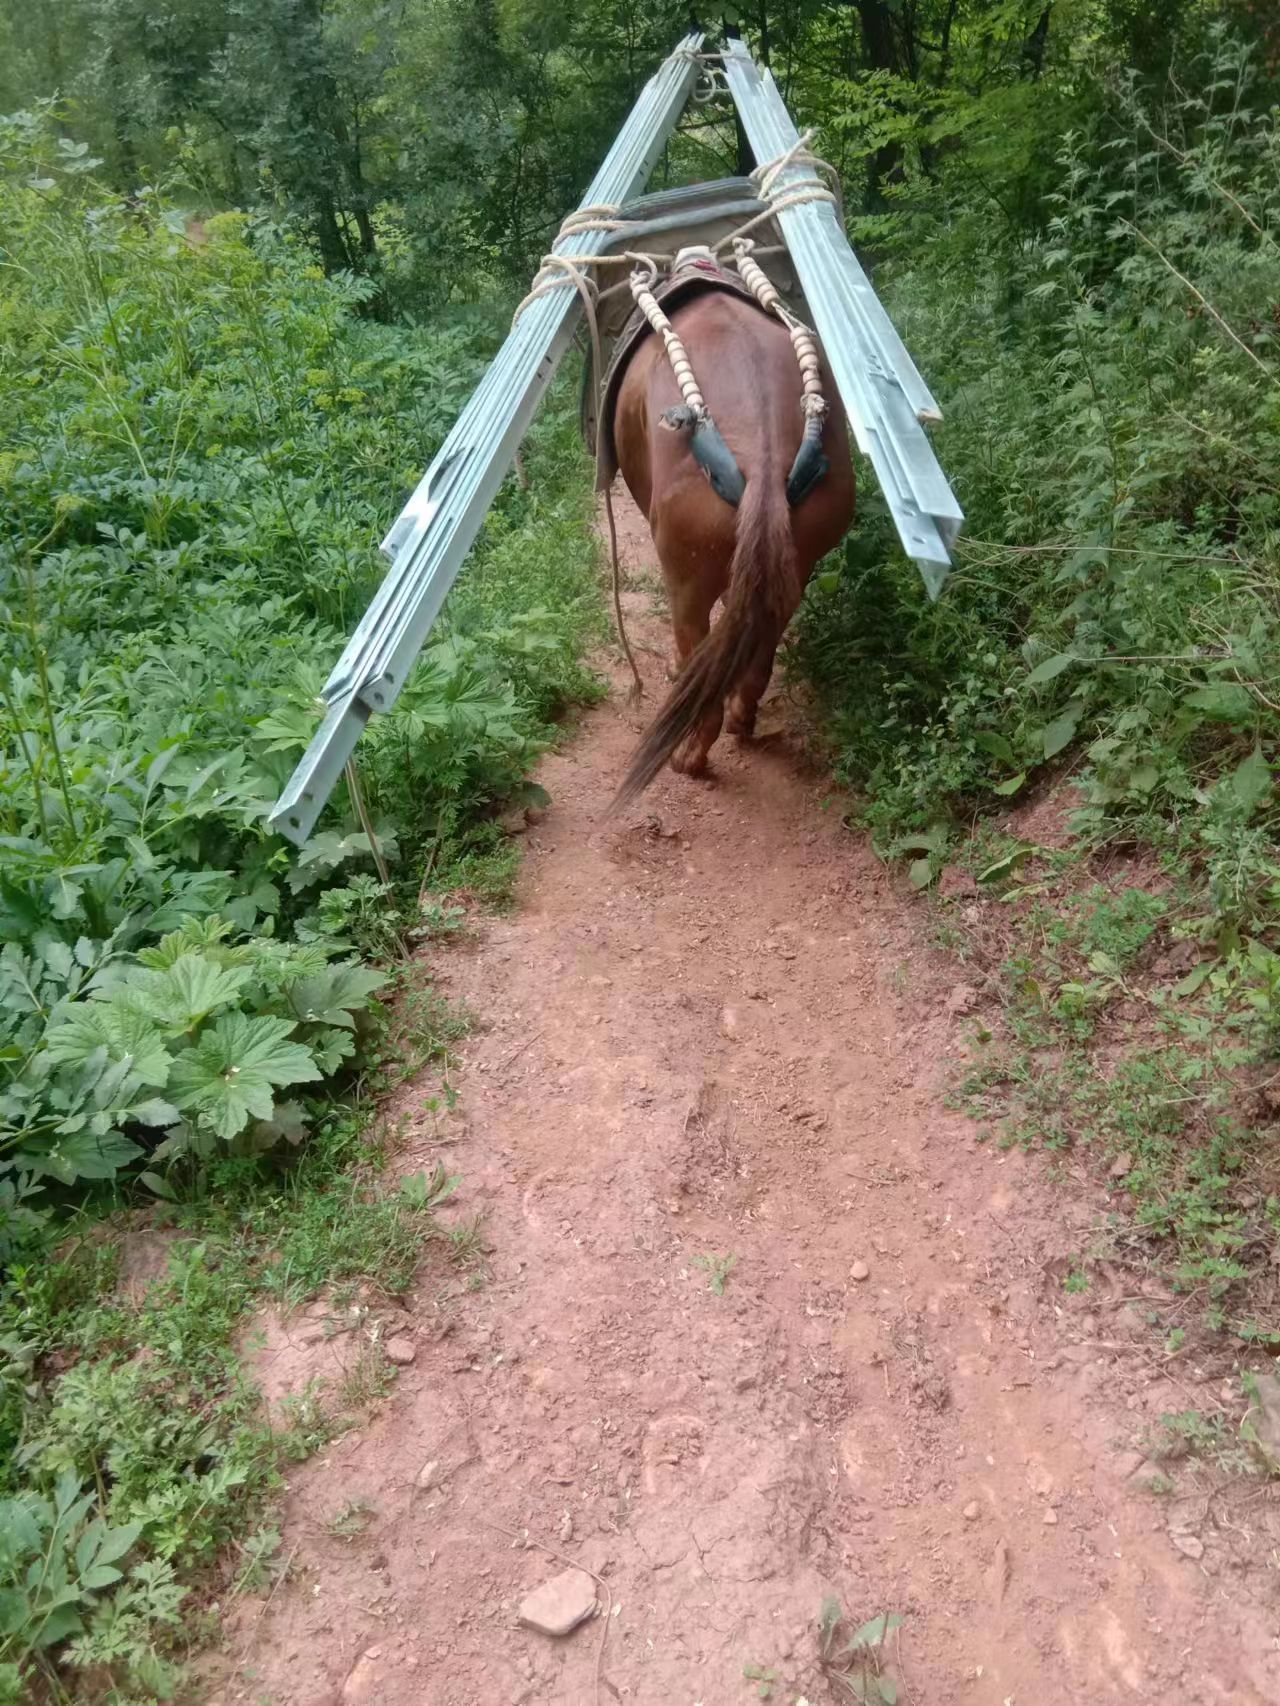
743, 727
693, 764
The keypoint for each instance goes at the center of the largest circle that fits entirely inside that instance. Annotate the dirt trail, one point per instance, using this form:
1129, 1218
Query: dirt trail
713, 1027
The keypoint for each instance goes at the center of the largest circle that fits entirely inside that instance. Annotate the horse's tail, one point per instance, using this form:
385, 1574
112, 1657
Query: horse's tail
764, 589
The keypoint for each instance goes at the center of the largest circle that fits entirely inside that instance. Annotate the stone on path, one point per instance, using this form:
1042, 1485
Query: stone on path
558, 1606
361, 1687
400, 1350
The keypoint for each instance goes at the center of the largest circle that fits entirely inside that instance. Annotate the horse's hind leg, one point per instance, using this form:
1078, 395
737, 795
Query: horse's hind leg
691, 602
745, 699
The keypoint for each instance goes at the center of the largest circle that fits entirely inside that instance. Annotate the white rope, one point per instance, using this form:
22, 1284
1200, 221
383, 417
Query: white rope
821, 184
558, 272
642, 281
812, 403
814, 187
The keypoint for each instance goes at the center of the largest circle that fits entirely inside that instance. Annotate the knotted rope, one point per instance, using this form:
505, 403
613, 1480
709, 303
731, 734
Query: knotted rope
642, 281
812, 403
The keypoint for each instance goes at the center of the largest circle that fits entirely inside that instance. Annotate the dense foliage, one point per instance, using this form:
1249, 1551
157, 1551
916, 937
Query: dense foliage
253, 256
203, 439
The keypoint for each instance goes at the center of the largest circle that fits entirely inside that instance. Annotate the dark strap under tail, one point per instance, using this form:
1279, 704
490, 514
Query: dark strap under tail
709, 451
810, 464
714, 457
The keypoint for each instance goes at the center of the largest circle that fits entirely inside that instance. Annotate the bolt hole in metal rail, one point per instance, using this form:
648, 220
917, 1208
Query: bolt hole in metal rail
883, 395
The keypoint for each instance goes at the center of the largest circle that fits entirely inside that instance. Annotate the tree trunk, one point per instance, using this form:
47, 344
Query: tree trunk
333, 251
881, 54
1033, 46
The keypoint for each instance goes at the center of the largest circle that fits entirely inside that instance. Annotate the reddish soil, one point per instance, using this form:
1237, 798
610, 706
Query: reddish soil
715, 1027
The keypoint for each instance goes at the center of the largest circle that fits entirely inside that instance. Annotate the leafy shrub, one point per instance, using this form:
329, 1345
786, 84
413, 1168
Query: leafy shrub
1106, 358
200, 446
59, 1558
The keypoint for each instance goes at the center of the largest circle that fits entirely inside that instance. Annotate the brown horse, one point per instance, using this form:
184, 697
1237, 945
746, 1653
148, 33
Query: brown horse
757, 557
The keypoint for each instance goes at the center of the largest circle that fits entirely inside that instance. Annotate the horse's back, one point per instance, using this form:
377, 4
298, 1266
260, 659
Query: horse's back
747, 371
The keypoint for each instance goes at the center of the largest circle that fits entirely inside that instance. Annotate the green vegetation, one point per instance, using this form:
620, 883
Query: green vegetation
202, 443
253, 258
1083, 257
853, 1660
717, 1270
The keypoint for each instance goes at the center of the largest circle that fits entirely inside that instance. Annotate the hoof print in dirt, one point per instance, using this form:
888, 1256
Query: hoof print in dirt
560, 1605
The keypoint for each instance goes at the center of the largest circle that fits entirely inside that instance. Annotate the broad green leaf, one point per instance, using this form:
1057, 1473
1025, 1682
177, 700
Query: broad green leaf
81, 1029
333, 995
1006, 863
288, 1124
100, 1576
157, 1186
87, 1545
1011, 786
828, 1617
288, 728
62, 1622
154, 1111
1251, 781
116, 1542
1191, 982
921, 872
158, 765
987, 740
1060, 733
229, 1076
13, 1616
1223, 701
20, 1526
81, 1155
870, 1635
66, 1491
888, 1690
330, 1047
932, 842
183, 995
1051, 668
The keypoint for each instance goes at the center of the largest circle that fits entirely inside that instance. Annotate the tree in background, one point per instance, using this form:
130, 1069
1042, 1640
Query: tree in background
462, 132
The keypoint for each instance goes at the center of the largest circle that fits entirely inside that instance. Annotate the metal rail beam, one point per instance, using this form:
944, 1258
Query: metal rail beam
435, 530
883, 394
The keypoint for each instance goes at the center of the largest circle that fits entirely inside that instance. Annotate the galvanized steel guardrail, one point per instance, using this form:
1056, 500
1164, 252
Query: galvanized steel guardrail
436, 528
884, 396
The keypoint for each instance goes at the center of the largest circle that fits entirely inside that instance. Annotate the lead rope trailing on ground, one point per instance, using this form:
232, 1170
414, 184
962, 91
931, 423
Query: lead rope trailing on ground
557, 270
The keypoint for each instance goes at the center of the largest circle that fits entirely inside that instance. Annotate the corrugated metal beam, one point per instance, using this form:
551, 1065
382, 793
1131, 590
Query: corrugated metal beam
884, 396
435, 530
